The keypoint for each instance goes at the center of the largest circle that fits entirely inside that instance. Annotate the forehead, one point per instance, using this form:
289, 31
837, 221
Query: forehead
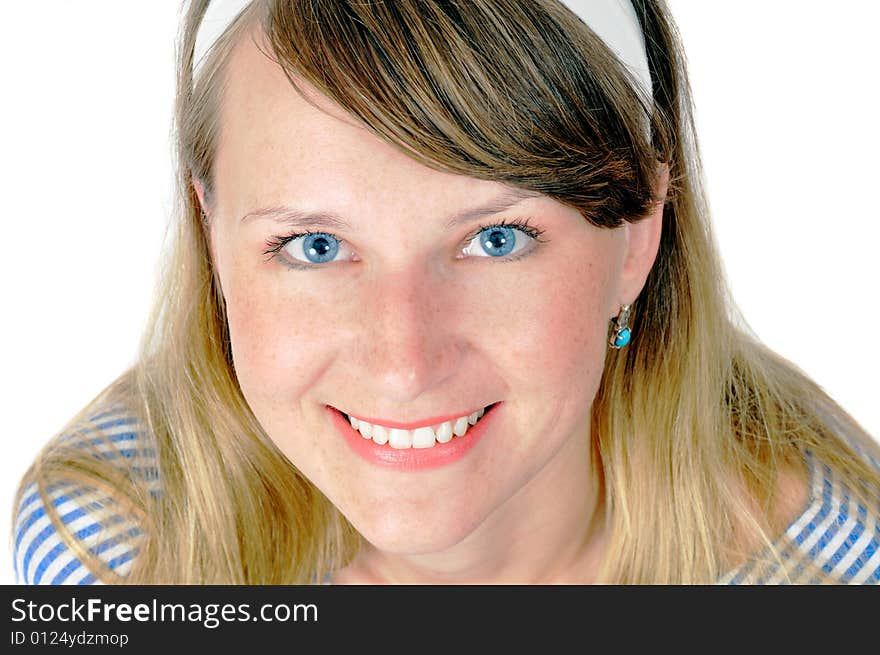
273, 141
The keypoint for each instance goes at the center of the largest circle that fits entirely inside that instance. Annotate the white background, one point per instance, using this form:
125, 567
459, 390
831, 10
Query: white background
786, 109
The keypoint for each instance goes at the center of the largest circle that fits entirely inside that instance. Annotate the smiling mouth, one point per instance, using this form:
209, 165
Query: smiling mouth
422, 437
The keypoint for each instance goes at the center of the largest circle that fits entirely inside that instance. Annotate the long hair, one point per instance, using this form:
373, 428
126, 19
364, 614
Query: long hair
694, 422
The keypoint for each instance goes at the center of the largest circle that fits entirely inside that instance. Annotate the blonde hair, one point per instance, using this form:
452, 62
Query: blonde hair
694, 421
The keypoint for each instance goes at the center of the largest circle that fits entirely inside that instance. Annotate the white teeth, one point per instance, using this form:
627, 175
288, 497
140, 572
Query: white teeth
444, 432
424, 437
398, 438
380, 435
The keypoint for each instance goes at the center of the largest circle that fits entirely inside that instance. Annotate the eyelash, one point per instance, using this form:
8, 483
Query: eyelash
276, 243
521, 224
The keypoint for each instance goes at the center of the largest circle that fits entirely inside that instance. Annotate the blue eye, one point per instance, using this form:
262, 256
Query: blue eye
314, 248
501, 240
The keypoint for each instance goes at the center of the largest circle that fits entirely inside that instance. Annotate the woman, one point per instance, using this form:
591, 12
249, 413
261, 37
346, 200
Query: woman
443, 306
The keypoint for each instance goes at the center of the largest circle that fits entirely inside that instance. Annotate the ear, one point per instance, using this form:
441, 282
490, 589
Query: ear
642, 240
206, 225
200, 192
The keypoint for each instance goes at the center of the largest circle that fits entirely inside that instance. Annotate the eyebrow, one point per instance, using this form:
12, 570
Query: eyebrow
298, 218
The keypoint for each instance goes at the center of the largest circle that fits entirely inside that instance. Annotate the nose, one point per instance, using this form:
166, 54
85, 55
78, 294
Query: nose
407, 343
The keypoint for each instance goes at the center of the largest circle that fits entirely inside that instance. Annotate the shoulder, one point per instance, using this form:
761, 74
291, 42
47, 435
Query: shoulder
58, 533
833, 538
839, 532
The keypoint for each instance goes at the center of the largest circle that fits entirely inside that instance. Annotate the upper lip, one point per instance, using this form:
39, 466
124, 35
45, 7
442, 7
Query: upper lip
412, 425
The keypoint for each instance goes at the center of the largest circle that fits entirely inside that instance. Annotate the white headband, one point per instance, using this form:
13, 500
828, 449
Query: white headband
613, 21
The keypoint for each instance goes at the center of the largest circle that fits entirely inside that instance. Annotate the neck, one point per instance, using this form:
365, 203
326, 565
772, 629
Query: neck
551, 532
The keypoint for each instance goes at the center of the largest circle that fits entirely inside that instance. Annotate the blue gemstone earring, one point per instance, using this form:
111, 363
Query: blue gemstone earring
620, 331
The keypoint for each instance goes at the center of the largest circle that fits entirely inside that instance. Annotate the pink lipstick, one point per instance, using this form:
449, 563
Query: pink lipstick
413, 459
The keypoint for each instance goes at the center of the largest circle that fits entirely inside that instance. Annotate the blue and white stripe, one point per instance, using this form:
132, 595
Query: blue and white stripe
833, 534
40, 554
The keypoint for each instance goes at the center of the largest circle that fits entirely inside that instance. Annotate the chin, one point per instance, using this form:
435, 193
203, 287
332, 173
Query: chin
417, 532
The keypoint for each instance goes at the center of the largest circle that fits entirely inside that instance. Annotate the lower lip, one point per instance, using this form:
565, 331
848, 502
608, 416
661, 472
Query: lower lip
412, 459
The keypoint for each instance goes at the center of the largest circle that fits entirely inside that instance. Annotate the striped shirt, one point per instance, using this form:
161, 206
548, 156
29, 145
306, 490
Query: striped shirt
833, 533
93, 518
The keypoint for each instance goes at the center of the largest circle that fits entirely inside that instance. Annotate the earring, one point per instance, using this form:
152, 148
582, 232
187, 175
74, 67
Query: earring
620, 331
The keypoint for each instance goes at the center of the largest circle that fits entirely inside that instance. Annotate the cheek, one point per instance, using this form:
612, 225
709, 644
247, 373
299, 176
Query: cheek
280, 339
574, 325
550, 332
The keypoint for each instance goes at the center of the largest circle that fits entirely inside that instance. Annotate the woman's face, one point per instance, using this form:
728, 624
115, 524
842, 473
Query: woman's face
396, 312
